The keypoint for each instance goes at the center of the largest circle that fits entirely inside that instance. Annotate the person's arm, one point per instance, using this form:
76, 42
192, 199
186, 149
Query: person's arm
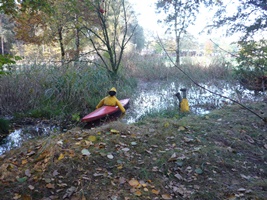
120, 106
100, 104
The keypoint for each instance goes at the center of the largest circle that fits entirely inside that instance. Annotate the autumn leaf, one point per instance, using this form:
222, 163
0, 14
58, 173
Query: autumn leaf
114, 131
24, 161
167, 124
166, 196
155, 191
92, 138
133, 183
17, 196
138, 193
181, 128
119, 166
50, 186
61, 156
26, 197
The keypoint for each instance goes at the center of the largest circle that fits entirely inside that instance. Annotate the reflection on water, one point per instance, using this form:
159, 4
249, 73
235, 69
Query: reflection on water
16, 138
13, 140
155, 97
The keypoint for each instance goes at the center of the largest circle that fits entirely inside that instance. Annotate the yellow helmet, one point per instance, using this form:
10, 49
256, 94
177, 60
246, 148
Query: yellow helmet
113, 89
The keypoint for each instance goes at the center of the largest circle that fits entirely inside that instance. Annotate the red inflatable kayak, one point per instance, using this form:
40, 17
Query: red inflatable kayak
104, 111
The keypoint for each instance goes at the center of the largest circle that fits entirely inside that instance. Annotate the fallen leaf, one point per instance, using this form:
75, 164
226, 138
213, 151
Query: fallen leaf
28, 173
61, 156
114, 131
122, 180
181, 128
92, 138
50, 186
186, 139
26, 197
167, 124
69, 192
133, 143
199, 171
138, 193
125, 149
241, 190
31, 153
173, 157
31, 187
119, 166
24, 161
55, 173
178, 176
166, 196
85, 152
110, 156
133, 183
155, 191
17, 196
21, 180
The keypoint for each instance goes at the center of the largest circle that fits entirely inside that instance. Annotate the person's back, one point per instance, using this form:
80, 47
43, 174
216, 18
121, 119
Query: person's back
111, 100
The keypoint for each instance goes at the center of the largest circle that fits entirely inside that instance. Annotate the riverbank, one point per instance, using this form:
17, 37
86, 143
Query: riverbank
221, 155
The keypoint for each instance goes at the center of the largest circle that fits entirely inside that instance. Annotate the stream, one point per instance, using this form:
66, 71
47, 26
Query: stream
151, 97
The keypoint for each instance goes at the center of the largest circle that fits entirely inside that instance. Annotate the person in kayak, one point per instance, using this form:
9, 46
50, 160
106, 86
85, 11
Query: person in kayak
111, 100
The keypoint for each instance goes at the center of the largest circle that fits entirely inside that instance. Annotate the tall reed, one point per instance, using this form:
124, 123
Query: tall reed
50, 91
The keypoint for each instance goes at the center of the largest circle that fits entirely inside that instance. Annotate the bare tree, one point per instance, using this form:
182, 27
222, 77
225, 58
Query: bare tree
179, 15
112, 34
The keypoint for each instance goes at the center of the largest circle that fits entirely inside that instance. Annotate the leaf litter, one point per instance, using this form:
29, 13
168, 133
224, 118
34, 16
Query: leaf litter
217, 156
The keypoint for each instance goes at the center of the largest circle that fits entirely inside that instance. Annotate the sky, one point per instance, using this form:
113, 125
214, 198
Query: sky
147, 18
145, 10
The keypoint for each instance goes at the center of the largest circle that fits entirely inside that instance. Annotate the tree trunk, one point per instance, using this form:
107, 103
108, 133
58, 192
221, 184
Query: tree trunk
61, 45
2, 45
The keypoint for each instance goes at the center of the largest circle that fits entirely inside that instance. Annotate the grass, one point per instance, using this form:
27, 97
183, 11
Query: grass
221, 155
53, 92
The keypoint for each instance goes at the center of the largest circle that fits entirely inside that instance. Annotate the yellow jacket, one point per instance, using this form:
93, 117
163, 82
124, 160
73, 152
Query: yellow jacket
184, 105
111, 101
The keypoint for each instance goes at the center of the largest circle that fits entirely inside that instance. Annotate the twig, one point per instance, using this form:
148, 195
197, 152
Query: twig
262, 118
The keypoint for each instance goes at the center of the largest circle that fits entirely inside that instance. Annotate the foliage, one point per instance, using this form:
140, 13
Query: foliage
252, 59
4, 127
249, 18
55, 23
6, 63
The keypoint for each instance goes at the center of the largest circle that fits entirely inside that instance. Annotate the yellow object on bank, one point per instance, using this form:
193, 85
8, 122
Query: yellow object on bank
184, 105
